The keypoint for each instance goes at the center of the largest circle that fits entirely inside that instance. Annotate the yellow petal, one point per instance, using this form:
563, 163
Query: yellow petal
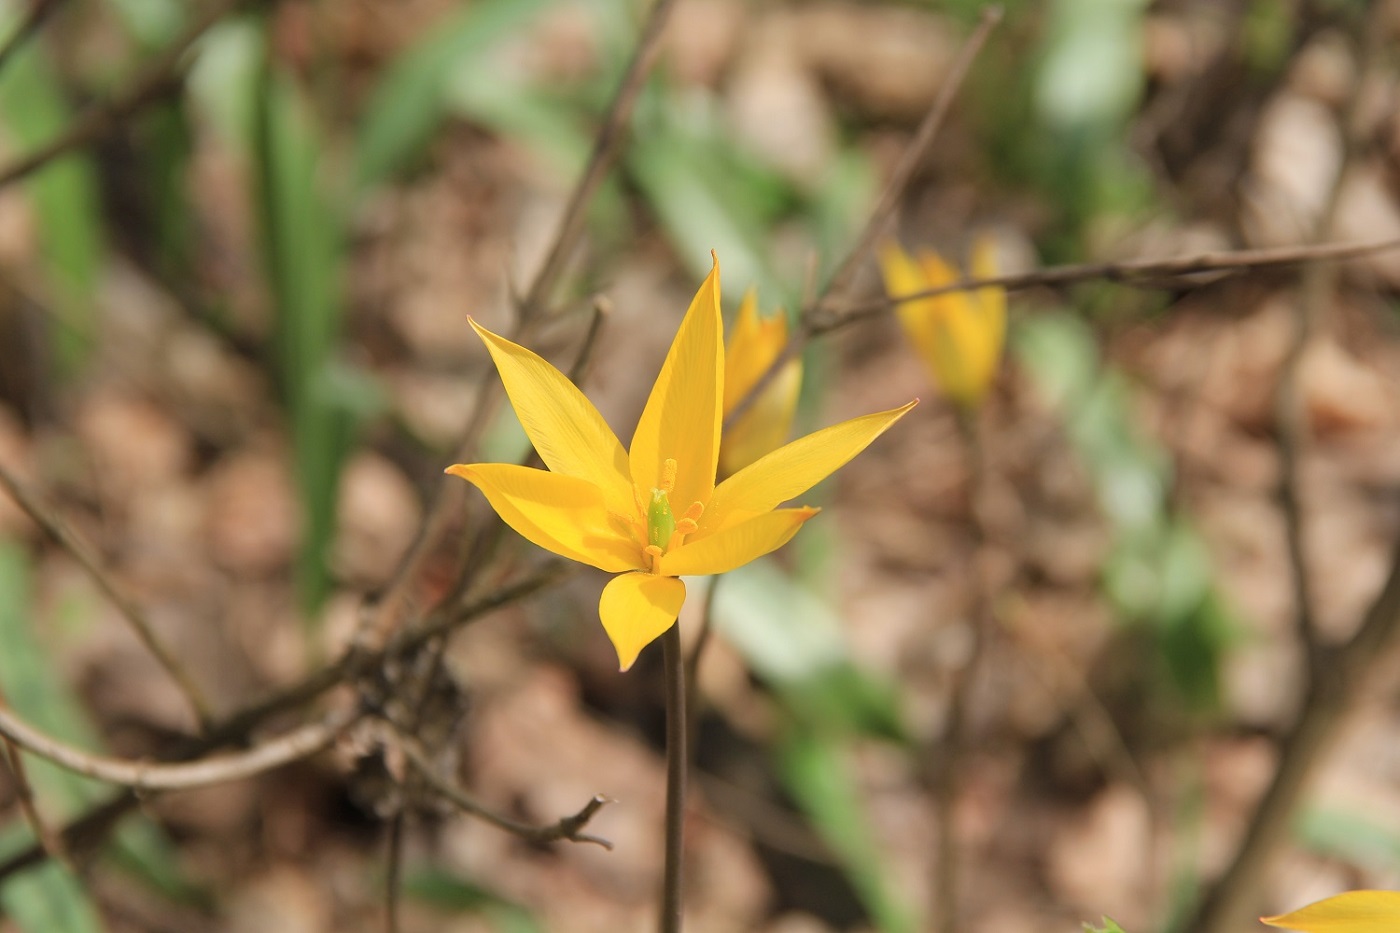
1352, 912
681, 420
563, 514
570, 435
636, 608
754, 344
765, 425
958, 335
791, 470
735, 545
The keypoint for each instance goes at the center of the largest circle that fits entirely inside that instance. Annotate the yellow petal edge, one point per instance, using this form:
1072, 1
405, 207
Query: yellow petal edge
1352, 912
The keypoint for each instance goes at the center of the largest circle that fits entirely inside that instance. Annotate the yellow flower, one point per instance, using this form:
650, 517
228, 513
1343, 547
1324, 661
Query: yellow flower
1352, 912
653, 513
762, 427
958, 335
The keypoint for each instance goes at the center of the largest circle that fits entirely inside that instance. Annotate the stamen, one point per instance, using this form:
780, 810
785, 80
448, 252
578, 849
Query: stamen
668, 476
654, 553
689, 523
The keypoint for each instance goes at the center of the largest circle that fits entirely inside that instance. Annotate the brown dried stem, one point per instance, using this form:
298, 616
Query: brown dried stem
1340, 679
91, 827
569, 828
913, 155
132, 613
150, 776
153, 82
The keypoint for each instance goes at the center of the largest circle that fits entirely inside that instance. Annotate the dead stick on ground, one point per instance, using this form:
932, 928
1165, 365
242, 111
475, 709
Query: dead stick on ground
569, 828
142, 775
132, 613
90, 828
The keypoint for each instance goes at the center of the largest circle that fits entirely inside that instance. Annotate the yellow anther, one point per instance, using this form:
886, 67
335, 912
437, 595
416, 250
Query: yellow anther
686, 526
668, 476
654, 552
694, 512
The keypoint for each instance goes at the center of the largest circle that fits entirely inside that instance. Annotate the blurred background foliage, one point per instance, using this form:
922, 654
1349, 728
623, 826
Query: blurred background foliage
232, 349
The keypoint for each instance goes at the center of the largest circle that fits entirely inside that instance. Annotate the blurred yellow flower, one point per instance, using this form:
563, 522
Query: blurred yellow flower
763, 427
959, 335
1352, 912
612, 509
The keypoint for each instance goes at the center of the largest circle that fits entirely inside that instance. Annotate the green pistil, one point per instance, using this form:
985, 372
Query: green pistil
661, 524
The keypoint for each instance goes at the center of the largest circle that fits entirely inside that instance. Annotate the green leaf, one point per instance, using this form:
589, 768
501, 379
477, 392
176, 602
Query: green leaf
1107, 926
451, 894
706, 195
65, 198
37, 693
407, 106
303, 235
814, 771
1350, 836
49, 898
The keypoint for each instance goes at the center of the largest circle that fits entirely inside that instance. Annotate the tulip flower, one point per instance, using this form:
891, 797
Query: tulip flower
1352, 912
653, 513
763, 427
958, 335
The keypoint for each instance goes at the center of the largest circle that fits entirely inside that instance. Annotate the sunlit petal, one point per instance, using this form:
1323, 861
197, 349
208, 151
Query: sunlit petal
563, 514
735, 545
791, 470
636, 608
1352, 912
753, 346
567, 431
681, 420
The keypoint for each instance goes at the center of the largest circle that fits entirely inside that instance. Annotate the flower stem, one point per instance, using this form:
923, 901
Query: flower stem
670, 921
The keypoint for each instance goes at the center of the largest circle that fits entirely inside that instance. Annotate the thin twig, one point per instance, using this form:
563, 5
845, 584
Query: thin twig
820, 309
947, 770
135, 617
676, 748
147, 776
88, 829
568, 829
1331, 675
1341, 679
393, 880
1319, 282
606, 147
451, 493
38, 13
1125, 272
1144, 273
912, 157
151, 83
